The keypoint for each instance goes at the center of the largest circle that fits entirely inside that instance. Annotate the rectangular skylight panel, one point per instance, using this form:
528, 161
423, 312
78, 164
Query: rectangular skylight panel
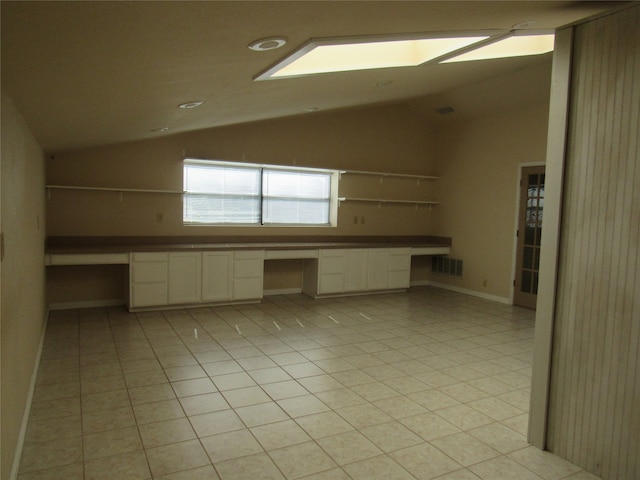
515, 46
368, 55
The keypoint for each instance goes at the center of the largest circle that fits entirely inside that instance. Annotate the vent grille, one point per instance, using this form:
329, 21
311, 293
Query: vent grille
447, 266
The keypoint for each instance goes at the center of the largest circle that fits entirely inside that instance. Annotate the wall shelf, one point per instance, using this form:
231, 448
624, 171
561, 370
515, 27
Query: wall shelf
382, 200
388, 174
109, 189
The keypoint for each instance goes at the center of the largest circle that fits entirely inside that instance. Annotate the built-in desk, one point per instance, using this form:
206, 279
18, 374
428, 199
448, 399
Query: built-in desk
172, 275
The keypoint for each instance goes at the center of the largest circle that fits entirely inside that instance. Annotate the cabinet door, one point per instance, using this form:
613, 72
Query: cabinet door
399, 268
355, 279
248, 274
216, 276
184, 277
331, 271
378, 274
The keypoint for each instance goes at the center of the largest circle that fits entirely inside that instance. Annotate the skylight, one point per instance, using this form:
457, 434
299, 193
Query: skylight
324, 56
514, 46
358, 53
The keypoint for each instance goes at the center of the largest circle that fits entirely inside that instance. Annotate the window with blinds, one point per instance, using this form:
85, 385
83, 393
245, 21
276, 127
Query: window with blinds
224, 193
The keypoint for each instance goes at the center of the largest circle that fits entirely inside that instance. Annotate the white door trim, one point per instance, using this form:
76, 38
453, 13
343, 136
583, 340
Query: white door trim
550, 243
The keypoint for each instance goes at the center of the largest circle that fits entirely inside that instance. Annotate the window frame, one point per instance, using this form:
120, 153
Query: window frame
333, 200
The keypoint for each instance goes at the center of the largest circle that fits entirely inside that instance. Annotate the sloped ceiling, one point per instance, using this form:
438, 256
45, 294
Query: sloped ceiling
92, 73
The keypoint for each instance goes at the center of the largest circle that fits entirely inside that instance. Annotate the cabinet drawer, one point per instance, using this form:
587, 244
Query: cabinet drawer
149, 257
247, 288
332, 265
399, 279
331, 283
150, 272
250, 268
149, 294
399, 262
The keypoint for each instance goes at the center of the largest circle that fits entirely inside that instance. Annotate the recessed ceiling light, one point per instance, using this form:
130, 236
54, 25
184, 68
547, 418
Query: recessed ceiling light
188, 105
161, 129
515, 45
360, 53
267, 44
312, 109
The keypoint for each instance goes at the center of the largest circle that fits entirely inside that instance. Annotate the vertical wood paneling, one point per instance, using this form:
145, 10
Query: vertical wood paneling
594, 403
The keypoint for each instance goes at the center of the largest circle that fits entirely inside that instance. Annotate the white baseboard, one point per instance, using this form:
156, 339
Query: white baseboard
282, 291
466, 291
27, 406
87, 304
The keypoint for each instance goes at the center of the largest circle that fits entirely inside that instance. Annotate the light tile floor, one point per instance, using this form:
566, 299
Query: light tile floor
420, 385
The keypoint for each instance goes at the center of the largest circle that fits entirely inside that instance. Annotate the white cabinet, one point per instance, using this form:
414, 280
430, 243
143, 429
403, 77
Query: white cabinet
355, 279
378, 269
192, 278
217, 269
340, 271
148, 284
184, 277
248, 274
399, 268
331, 268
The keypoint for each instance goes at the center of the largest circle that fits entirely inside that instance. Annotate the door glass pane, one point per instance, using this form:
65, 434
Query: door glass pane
529, 235
526, 281
527, 259
533, 181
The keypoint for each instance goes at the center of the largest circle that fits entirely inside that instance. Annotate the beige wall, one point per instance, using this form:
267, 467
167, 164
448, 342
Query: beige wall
478, 161
23, 285
386, 138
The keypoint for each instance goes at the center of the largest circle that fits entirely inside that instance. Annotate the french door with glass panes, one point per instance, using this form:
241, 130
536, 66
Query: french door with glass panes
529, 234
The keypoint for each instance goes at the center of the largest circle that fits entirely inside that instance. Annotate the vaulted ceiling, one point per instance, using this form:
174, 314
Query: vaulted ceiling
93, 73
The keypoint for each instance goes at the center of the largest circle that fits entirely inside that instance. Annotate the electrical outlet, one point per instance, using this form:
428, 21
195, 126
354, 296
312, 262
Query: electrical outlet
159, 217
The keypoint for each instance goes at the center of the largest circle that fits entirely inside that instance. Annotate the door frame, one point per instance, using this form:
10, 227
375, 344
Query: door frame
516, 224
550, 245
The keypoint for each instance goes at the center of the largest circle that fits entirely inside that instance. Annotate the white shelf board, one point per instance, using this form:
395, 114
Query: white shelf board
390, 174
111, 189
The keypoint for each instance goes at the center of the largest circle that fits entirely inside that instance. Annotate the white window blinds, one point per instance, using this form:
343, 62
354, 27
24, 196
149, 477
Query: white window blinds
218, 193
295, 197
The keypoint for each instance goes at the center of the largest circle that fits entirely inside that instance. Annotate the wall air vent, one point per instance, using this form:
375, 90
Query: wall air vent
444, 110
446, 266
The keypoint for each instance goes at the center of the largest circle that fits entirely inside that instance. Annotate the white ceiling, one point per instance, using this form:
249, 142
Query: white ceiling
93, 73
